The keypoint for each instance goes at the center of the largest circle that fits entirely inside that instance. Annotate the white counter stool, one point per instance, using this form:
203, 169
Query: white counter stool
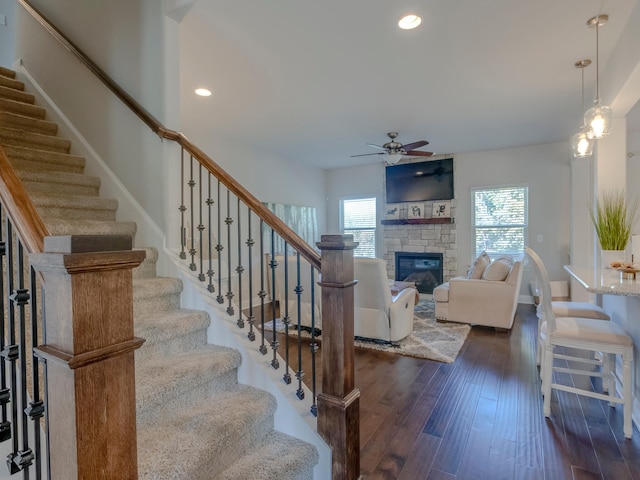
586, 334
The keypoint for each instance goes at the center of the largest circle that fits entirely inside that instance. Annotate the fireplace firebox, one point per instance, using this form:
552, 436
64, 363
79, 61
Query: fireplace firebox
424, 269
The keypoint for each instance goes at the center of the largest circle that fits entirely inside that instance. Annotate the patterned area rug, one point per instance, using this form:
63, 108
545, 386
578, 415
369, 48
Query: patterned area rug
430, 339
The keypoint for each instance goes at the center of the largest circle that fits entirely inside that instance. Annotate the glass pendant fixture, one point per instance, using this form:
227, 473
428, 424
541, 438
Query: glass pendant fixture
581, 144
598, 118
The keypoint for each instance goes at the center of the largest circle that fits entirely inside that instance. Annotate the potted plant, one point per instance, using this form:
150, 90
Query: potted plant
613, 220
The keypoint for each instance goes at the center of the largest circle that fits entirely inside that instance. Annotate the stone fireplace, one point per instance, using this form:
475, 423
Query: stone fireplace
422, 235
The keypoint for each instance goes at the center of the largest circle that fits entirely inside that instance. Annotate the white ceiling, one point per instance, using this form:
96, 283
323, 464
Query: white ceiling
315, 81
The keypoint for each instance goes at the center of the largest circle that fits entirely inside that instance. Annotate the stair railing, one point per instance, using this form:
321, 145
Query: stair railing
58, 377
219, 215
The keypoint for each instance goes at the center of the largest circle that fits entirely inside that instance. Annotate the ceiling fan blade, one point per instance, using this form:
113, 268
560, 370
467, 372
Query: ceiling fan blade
376, 146
414, 145
418, 153
365, 154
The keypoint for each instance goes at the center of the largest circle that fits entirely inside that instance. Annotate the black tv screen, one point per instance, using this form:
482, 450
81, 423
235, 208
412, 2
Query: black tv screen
415, 182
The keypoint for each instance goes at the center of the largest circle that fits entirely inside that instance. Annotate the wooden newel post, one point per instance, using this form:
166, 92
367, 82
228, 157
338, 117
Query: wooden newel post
89, 348
339, 402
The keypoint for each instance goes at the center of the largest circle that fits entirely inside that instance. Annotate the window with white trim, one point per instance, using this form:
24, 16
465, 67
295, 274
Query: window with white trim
500, 217
358, 217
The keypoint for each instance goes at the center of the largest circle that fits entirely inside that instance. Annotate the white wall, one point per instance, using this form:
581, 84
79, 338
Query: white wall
8, 33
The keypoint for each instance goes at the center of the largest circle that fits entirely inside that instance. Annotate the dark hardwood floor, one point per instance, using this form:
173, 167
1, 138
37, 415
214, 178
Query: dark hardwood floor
481, 417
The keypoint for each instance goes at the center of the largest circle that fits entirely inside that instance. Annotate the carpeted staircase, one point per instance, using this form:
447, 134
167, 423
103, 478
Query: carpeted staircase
195, 421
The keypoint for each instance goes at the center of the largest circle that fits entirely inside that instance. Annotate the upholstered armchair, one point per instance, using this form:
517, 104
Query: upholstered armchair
378, 314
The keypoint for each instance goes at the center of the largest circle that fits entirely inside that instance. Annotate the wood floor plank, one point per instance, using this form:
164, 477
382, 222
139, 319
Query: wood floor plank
421, 457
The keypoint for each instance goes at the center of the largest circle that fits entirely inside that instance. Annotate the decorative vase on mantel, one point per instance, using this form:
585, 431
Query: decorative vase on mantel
609, 257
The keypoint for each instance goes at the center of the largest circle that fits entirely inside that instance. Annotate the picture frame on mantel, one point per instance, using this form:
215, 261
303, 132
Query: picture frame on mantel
415, 210
441, 209
392, 212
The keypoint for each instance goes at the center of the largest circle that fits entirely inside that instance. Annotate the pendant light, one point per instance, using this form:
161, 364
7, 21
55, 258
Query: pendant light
581, 144
598, 118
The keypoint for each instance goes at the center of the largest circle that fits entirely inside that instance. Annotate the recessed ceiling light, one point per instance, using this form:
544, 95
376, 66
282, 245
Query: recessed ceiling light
203, 92
409, 22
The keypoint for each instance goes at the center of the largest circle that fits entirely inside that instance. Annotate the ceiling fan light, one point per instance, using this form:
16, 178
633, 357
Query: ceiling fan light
581, 144
598, 120
392, 158
409, 22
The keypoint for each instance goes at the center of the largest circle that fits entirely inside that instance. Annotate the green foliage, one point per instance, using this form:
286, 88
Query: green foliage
613, 220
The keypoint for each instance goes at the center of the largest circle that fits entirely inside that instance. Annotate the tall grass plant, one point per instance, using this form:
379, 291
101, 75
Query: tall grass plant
613, 219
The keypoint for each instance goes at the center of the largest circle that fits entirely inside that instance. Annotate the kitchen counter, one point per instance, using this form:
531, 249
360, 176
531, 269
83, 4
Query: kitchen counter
605, 281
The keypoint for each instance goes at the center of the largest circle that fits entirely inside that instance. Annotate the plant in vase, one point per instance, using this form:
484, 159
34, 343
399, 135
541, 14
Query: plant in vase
613, 220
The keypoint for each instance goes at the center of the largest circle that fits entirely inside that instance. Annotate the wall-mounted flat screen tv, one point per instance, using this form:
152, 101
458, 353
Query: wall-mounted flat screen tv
419, 181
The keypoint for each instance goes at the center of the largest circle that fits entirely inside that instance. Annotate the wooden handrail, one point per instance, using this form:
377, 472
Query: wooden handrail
20, 209
227, 180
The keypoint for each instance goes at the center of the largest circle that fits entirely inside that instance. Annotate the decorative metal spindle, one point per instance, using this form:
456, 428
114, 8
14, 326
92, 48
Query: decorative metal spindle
274, 334
210, 272
298, 290
262, 293
5, 425
24, 457
314, 345
192, 247
250, 243
201, 276
286, 319
239, 269
35, 411
10, 352
229, 221
183, 208
219, 248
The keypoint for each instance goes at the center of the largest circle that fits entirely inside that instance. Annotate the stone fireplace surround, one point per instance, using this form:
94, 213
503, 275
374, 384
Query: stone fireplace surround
406, 235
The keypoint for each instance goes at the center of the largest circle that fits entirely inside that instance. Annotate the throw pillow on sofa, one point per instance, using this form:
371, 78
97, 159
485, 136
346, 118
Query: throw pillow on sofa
498, 270
478, 266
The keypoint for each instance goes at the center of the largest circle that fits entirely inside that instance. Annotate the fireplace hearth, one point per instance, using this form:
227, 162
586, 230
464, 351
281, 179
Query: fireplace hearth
422, 268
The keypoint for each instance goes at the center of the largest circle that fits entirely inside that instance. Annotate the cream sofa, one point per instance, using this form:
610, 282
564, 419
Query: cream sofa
481, 300
378, 314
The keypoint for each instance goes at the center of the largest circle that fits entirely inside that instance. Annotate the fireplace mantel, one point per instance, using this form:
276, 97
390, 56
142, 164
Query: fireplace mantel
416, 221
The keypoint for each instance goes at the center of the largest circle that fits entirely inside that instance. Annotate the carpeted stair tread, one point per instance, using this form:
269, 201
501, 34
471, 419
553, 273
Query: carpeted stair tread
181, 380
66, 226
77, 207
20, 138
10, 81
16, 95
156, 294
199, 442
29, 124
60, 183
169, 333
7, 72
147, 268
280, 457
24, 158
26, 109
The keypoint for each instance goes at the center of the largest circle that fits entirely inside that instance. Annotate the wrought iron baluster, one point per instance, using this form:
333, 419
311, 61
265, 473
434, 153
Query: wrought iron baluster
201, 276
192, 184
229, 221
22, 459
274, 337
298, 291
219, 248
239, 268
210, 272
314, 345
251, 335
182, 209
262, 293
35, 411
5, 424
285, 318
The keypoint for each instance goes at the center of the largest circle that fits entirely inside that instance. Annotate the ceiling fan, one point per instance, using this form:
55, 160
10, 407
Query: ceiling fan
393, 151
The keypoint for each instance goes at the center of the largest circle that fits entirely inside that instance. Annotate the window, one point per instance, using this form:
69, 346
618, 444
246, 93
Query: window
499, 220
358, 217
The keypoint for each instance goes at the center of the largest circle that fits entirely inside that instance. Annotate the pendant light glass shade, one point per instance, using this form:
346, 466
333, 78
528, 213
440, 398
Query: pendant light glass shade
598, 118
581, 143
